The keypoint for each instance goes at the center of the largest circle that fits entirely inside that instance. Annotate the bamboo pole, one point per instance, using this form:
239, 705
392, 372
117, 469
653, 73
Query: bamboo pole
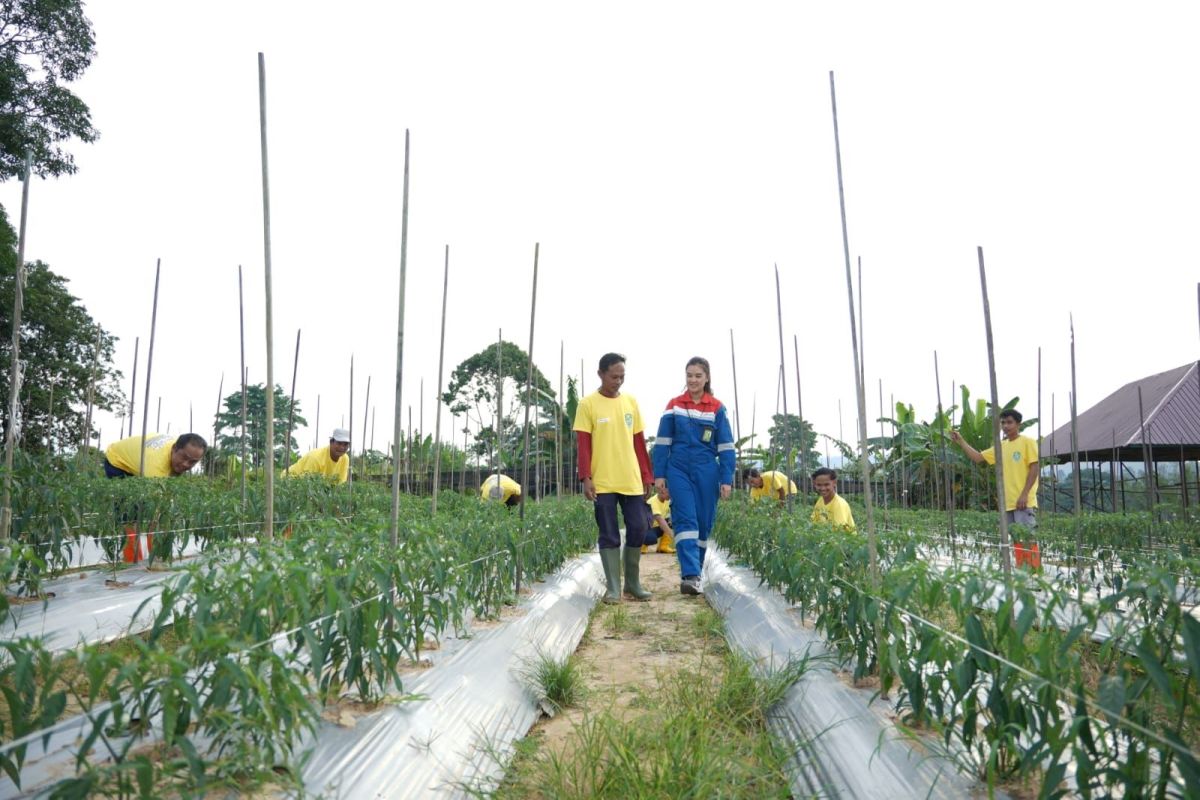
1076, 488
243, 374
528, 400
350, 445
158, 415
805, 478
132, 388
1039, 417
317, 425
408, 455
558, 409
149, 367
420, 436
1001, 505
1150, 499
783, 381
91, 395
737, 414
865, 465
395, 521
269, 477
362, 450
945, 460
372, 447
212, 462
50, 419
287, 440
437, 425
499, 449
14, 369
882, 417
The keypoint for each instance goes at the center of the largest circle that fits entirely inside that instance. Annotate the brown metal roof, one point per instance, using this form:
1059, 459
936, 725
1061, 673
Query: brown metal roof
1170, 403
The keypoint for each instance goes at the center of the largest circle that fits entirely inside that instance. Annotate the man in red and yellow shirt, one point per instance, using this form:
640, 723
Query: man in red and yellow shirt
615, 470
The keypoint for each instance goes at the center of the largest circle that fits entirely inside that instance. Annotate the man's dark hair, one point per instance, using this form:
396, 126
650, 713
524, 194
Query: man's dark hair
750, 472
1012, 414
823, 471
608, 359
513, 500
188, 439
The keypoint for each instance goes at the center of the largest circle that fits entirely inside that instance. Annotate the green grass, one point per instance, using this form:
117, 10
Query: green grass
559, 683
705, 735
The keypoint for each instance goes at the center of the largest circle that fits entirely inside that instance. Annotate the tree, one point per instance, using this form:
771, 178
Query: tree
43, 45
256, 424
472, 391
795, 442
59, 340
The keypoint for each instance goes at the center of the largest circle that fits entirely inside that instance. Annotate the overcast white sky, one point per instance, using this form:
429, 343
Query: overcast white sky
665, 155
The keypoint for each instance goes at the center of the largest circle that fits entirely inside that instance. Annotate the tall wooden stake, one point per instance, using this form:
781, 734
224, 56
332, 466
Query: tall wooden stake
149, 367
1039, 418
396, 428
783, 377
528, 399
269, 477
362, 449
243, 374
945, 461
805, 479
158, 415
137, 340
350, 446
500, 406
14, 369
1001, 504
287, 440
558, 408
442, 352
737, 411
212, 461
1076, 487
865, 463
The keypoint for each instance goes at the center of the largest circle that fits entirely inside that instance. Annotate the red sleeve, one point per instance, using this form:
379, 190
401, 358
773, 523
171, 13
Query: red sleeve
583, 443
639, 447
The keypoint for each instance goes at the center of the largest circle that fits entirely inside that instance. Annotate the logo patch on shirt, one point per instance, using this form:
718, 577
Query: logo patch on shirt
1016, 456
629, 420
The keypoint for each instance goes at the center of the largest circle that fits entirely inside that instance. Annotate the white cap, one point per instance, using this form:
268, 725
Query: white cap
340, 435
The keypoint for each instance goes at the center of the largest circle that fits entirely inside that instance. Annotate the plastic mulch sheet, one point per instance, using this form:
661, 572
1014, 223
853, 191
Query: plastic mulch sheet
843, 745
476, 705
473, 706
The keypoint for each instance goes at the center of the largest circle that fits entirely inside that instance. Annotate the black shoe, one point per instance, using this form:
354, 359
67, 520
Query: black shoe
690, 586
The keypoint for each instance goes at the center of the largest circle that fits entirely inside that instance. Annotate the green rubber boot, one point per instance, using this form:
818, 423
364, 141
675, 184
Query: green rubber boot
633, 587
610, 559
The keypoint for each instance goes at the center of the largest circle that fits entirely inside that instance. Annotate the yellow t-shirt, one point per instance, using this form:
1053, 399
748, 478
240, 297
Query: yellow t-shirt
612, 422
837, 513
1018, 455
507, 488
658, 508
125, 454
318, 462
773, 483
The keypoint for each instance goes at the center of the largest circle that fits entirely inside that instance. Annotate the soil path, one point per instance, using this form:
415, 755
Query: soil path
628, 645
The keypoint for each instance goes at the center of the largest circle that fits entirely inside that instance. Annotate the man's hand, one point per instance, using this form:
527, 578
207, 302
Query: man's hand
726, 491
956, 437
1023, 501
589, 490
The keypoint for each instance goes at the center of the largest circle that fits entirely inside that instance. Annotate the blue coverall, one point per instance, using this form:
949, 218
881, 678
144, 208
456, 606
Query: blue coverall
694, 451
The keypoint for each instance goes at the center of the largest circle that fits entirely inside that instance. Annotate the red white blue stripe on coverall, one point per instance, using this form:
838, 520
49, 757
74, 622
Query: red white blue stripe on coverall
694, 451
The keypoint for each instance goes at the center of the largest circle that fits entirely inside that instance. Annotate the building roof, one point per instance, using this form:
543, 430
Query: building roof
1112, 429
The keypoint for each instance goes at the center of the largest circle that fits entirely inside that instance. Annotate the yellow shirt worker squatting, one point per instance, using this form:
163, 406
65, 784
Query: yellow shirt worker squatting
502, 488
768, 484
831, 508
331, 460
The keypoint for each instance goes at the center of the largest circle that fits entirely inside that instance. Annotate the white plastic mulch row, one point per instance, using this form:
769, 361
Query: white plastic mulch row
843, 744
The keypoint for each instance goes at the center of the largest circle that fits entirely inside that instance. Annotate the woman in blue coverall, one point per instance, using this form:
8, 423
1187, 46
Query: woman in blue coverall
694, 457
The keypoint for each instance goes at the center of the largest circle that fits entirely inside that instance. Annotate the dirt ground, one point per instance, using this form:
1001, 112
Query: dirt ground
625, 647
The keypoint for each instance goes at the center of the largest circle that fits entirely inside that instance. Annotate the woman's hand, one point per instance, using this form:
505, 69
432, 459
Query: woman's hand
660, 484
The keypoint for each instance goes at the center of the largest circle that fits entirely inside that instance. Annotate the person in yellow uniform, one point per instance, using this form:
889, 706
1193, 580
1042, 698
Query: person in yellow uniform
331, 460
660, 522
614, 469
502, 488
166, 457
1021, 474
768, 484
831, 508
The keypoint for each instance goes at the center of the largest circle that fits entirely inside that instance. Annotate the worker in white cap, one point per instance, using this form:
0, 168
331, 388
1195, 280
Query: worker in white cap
330, 461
